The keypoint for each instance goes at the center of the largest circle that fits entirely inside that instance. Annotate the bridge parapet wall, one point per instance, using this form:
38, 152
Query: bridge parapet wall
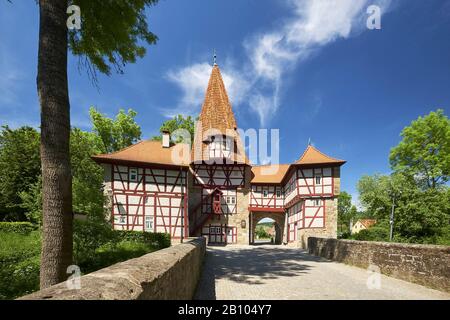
427, 265
170, 273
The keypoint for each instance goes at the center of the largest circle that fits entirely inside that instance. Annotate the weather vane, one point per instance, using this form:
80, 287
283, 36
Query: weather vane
215, 57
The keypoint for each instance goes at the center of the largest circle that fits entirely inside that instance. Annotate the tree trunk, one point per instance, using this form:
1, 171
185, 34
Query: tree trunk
52, 87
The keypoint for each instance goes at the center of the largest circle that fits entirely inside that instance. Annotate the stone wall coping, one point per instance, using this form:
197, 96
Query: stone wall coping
392, 244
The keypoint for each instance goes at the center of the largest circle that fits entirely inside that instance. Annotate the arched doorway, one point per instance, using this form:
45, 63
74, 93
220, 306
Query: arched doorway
275, 224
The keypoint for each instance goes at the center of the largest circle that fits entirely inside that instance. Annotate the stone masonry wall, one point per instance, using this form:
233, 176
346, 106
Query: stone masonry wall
168, 274
426, 265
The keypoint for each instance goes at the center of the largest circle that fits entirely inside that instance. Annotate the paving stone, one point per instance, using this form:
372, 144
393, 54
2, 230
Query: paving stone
280, 272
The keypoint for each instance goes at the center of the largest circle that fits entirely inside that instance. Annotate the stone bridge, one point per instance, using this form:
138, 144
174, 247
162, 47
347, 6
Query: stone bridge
271, 272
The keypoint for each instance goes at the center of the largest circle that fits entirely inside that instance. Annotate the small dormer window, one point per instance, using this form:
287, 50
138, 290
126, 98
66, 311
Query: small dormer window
133, 174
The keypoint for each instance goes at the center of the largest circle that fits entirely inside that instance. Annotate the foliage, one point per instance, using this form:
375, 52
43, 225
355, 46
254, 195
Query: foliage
32, 202
95, 246
117, 133
88, 236
418, 214
378, 232
87, 182
261, 232
112, 33
17, 227
424, 151
19, 263
160, 240
346, 211
178, 122
422, 214
19, 168
112, 253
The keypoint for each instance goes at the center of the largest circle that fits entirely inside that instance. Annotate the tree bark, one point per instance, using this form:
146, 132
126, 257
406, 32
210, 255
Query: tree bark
52, 87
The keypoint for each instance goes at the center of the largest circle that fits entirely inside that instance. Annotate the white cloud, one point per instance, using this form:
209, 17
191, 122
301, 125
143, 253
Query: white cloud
313, 25
193, 80
275, 53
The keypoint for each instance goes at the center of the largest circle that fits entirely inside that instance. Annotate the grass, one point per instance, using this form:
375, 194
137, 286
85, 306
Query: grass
20, 259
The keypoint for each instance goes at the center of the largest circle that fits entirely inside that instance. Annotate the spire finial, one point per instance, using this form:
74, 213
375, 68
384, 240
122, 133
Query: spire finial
309, 141
215, 57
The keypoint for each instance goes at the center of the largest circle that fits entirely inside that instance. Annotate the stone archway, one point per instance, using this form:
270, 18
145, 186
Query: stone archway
279, 219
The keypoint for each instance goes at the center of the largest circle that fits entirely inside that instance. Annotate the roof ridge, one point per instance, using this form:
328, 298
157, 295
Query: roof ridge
325, 155
318, 151
126, 148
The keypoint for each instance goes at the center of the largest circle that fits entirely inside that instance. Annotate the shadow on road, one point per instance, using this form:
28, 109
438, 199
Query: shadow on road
252, 265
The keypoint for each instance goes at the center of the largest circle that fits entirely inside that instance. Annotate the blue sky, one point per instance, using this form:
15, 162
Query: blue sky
309, 68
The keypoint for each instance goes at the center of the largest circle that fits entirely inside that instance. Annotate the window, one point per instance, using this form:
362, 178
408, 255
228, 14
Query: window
317, 202
228, 200
278, 193
133, 174
215, 230
148, 223
225, 145
122, 219
233, 200
318, 179
265, 193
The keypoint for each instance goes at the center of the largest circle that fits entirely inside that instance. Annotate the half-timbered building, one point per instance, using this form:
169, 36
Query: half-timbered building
212, 190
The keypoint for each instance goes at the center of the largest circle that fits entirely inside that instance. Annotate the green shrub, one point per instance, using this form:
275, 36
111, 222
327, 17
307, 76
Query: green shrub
156, 240
376, 233
19, 264
112, 253
88, 236
17, 227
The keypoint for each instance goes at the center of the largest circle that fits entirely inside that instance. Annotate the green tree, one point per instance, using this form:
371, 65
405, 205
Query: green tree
19, 168
118, 133
87, 182
344, 207
178, 122
422, 214
424, 151
32, 202
418, 214
112, 33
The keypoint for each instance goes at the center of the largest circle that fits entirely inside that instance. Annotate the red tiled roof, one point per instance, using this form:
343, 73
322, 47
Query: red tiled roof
269, 174
314, 156
216, 117
367, 222
146, 152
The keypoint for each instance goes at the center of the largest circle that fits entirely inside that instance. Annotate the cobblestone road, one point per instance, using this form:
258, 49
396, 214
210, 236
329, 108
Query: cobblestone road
278, 272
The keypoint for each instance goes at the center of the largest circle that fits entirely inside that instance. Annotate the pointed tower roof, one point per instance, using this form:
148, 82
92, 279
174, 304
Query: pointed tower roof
314, 156
216, 117
216, 110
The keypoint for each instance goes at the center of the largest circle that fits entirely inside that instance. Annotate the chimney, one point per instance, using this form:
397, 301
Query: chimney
166, 139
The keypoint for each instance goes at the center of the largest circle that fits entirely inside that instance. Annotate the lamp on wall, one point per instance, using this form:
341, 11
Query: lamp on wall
243, 224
